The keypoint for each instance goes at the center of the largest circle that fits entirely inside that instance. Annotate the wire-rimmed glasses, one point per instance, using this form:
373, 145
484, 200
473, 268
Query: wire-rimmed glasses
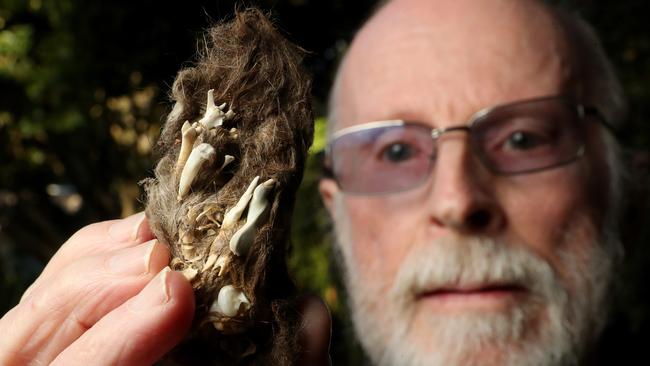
516, 138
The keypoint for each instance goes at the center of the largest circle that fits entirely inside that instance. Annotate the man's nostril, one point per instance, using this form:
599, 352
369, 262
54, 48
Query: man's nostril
478, 220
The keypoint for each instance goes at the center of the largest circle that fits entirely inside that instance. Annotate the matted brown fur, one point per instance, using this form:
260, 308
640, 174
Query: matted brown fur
258, 74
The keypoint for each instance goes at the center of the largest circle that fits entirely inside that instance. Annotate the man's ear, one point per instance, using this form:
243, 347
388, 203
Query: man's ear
328, 190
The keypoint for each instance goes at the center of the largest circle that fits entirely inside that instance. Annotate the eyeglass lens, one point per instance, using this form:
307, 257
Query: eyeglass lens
510, 139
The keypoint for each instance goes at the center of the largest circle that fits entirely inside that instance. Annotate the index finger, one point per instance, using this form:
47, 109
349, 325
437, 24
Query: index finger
98, 238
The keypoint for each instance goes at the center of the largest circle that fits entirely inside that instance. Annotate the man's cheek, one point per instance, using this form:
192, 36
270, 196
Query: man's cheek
379, 238
539, 213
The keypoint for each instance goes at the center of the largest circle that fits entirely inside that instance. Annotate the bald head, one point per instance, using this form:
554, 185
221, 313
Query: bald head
471, 51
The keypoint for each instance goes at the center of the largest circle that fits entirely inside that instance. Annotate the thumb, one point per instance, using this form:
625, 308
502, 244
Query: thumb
315, 332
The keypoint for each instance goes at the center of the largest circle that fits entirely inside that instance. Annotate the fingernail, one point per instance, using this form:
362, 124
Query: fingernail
135, 260
156, 293
128, 228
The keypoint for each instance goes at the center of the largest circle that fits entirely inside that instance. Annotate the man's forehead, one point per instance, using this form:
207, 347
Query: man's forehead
480, 52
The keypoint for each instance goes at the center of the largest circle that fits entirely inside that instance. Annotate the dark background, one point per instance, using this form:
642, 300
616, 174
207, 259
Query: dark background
83, 91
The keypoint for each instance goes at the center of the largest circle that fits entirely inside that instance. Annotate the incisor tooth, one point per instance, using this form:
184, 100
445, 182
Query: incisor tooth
200, 155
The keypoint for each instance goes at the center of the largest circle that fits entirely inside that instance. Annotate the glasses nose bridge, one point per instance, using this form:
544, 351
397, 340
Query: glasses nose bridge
436, 133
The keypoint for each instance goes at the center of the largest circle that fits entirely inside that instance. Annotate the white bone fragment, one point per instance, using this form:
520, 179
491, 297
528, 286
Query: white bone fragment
186, 236
222, 264
227, 160
207, 212
192, 213
212, 259
200, 155
176, 112
260, 202
230, 301
190, 273
186, 126
214, 115
259, 205
188, 251
233, 215
205, 227
188, 138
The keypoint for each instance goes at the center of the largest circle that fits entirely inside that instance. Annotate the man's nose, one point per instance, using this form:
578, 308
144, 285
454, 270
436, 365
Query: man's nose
462, 193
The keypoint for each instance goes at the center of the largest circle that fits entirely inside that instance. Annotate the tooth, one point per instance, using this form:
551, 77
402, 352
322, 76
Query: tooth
233, 215
259, 205
212, 258
227, 160
189, 136
200, 155
230, 301
260, 201
214, 115
222, 264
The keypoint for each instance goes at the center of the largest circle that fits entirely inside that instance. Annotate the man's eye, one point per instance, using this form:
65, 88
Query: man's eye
397, 152
520, 140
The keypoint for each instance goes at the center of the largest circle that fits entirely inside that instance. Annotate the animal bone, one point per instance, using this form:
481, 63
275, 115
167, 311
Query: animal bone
190, 273
233, 215
200, 155
230, 302
222, 264
270, 137
212, 259
189, 135
227, 160
259, 205
214, 115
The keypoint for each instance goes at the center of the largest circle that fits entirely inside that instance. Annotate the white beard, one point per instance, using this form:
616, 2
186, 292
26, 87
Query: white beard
551, 328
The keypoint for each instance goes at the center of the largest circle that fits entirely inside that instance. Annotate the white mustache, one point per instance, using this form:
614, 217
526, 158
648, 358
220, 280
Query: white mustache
471, 263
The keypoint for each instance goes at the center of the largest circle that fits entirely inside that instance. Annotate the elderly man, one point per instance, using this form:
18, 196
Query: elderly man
474, 181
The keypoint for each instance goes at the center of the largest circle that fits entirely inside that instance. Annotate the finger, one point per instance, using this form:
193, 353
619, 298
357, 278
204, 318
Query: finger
98, 238
57, 312
141, 330
102, 237
315, 333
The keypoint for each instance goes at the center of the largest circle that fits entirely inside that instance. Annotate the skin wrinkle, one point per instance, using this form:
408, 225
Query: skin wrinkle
551, 215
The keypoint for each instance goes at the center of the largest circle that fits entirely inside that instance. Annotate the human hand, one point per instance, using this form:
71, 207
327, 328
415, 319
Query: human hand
107, 297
